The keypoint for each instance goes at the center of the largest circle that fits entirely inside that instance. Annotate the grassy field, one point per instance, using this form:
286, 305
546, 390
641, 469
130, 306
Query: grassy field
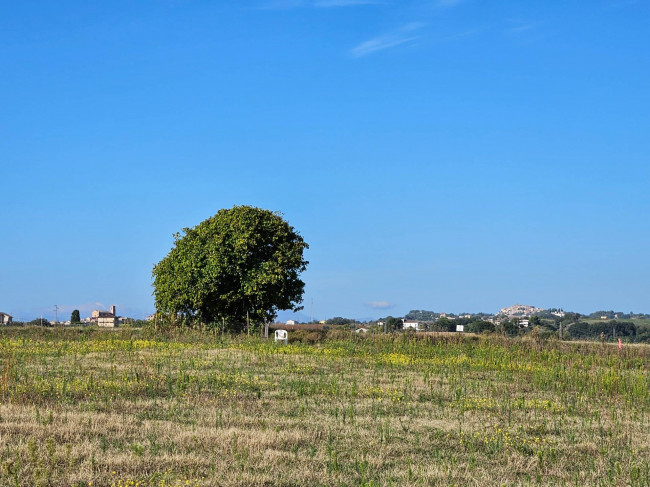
124, 408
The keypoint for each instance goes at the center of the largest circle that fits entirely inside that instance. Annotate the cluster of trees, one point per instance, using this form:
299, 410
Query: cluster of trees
607, 330
34, 322
473, 325
74, 319
339, 320
431, 316
478, 325
612, 315
572, 327
421, 315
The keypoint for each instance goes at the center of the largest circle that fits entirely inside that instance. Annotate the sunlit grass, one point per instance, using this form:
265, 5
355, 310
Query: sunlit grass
125, 408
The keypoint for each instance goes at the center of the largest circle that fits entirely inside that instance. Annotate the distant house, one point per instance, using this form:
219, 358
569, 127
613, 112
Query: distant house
460, 327
291, 322
363, 329
106, 319
5, 319
411, 325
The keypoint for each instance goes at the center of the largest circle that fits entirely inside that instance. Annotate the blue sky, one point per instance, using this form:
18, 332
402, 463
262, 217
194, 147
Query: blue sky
447, 155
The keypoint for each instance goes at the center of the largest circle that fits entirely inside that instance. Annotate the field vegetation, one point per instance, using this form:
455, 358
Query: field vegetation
130, 407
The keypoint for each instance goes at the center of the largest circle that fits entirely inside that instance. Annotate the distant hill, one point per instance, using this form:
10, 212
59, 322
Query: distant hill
421, 315
520, 310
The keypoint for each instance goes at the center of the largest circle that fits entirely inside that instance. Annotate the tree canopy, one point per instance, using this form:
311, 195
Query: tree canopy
242, 263
75, 317
339, 320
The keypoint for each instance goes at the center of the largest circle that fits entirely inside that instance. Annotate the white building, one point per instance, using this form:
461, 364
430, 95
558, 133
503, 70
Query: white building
520, 310
5, 319
105, 319
291, 322
411, 325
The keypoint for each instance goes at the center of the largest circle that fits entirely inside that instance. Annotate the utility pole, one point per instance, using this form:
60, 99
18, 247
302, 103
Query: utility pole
56, 314
312, 310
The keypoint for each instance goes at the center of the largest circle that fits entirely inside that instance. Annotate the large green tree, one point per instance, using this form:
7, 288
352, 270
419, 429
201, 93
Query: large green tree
241, 264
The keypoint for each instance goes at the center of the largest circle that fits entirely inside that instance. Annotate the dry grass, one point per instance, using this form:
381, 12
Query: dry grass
114, 409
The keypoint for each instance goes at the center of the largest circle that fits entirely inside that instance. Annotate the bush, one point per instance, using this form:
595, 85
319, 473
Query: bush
480, 327
644, 336
546, 334
40, 322
340, 334
608, 329
510, 328
306, 336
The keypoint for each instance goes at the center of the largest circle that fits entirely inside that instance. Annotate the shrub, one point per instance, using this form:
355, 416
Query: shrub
306, 336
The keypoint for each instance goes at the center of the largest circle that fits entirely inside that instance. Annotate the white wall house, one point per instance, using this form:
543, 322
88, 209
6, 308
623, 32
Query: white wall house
411, 325
5, 319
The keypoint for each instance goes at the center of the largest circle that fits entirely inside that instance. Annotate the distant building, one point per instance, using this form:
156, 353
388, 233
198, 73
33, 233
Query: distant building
5, 319
291, 322
106, 319
520, 310
460, 327
361, 330
411, 325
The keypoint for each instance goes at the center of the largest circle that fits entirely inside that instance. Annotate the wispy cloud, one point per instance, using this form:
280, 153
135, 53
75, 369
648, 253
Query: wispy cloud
380, 305
460, 35
289, 4
404, 35
518, 25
